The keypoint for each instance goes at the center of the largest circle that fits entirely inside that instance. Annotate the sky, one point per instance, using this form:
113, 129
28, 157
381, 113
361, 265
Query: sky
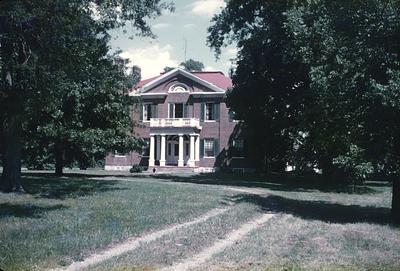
188, 23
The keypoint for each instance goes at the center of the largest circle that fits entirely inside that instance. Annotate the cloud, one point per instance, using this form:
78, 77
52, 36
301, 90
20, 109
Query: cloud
188, 26
151, 59
161, 26
231, 52
207, 7
209, 68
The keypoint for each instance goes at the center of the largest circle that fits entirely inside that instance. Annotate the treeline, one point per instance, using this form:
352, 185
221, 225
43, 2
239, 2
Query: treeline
317, 84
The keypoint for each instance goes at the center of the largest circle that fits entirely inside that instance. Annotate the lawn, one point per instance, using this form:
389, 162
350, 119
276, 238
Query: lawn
330, 228
61, 220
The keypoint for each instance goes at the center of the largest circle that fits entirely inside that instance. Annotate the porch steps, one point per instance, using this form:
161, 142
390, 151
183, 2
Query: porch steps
172, 169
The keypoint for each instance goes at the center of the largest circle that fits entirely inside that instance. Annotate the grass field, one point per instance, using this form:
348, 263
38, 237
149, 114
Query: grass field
61, 220
64, 220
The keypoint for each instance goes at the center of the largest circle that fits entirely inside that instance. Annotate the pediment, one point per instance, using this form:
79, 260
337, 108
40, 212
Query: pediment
179, 81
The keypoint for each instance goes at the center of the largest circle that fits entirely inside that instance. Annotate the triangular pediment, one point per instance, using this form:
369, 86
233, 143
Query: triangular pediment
179, 80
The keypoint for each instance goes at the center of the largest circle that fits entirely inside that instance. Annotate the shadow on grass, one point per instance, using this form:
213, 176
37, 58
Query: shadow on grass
273, 182
317, 210
66, 187
31, 211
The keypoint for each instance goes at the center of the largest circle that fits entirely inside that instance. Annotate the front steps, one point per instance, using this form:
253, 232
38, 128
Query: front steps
171, 169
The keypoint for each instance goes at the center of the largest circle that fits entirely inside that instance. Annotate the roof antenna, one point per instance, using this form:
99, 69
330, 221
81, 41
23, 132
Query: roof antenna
184, 48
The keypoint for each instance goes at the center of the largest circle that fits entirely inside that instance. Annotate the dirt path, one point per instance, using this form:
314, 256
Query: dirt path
134, 243
220, 245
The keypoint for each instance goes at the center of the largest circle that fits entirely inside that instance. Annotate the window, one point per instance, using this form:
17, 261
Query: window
237, 148
210, 111
178, 110
178, 88
208, 148
149, 111
146, 147
169, 148
187, 149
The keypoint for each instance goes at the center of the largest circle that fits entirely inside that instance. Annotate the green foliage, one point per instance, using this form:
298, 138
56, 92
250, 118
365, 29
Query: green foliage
325, 74
59, 81
137, 169
192, 65
351, 49
354, 164
269, 81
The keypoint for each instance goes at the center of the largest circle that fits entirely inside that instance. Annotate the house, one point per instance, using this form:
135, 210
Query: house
185, 123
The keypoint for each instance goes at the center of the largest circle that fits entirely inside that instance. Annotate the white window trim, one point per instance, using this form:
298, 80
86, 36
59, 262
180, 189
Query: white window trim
173, 117
205, 112
143, 110
178, 88
204, 148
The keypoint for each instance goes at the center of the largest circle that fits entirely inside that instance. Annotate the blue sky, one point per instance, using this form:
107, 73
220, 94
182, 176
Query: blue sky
189, 22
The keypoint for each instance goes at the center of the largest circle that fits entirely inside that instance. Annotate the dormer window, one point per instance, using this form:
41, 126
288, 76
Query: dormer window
178, 88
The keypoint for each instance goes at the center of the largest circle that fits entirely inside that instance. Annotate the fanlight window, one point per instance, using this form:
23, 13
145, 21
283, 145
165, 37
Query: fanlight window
178, 88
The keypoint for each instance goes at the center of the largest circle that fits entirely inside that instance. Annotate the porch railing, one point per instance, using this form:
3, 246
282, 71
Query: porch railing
180, 122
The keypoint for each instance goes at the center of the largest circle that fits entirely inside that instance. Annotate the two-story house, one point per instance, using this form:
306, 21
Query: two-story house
186, 124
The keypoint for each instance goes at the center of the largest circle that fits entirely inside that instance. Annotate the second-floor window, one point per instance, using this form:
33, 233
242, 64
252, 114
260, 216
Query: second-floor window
177, 110
149, 111
210, 111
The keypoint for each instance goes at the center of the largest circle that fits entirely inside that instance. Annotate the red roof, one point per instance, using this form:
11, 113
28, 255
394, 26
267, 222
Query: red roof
216, 78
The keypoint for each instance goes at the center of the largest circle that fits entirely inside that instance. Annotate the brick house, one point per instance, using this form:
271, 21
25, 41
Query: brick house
185, 123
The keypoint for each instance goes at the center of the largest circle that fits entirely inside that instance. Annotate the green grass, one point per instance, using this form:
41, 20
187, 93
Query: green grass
63, 220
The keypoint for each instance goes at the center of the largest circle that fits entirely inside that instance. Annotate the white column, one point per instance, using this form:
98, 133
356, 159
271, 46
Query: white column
158, 147
191, 157
180, 158
197, 148
162, 159
151, 156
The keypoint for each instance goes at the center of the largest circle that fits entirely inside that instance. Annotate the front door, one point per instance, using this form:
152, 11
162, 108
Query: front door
172, 152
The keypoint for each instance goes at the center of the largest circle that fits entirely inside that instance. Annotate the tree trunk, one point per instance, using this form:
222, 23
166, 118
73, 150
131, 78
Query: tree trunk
11, 178
396, 200
59, 159
12, 118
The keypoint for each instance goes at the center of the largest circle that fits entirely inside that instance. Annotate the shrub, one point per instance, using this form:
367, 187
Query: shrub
354, 165
137, 169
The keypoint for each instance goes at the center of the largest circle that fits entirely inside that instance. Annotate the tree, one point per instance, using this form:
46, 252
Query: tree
269, 81
355, 75
192, 65
24, 40
344, 57
167, 69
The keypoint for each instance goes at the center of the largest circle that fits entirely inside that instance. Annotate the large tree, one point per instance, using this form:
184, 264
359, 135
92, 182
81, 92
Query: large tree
26, 67
353, 51
345, 55
269, 81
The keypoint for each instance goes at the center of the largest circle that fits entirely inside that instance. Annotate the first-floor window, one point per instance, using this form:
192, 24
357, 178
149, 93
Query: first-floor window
208, 147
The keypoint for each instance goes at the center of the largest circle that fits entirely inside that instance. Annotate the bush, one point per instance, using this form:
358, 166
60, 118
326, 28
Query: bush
137, 169
354, 165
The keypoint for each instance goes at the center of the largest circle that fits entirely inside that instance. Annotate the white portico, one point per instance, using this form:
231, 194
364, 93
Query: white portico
174, 142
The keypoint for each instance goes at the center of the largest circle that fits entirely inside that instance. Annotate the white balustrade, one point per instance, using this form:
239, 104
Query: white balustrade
180, 122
